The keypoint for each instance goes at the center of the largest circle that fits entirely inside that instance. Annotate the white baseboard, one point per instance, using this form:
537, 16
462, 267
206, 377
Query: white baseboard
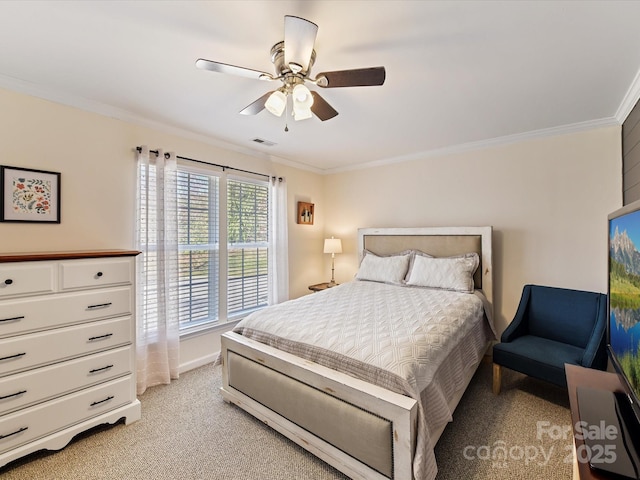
198, 362
200, 348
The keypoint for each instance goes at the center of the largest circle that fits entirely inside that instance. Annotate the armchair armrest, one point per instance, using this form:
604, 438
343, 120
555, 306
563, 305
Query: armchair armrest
518, 325
594, 356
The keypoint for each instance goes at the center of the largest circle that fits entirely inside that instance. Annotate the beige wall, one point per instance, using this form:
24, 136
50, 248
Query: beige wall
547, 199
95, 155
305, 241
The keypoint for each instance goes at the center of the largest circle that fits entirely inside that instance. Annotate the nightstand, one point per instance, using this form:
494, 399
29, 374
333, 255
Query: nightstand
321, 286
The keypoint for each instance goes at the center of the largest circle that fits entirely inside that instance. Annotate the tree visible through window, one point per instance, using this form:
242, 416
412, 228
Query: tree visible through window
247, 214
198, 243
201, 211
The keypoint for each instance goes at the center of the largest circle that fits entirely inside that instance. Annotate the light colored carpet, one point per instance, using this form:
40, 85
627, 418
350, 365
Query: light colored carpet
188, 432
530, 419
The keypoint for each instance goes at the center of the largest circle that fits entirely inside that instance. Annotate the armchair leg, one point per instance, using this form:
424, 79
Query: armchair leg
497, 378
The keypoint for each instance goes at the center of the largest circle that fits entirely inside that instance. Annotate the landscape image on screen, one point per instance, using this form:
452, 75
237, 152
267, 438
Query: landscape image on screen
624, 294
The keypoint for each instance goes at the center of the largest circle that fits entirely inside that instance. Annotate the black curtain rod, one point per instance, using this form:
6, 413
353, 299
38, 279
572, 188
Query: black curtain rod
223, 167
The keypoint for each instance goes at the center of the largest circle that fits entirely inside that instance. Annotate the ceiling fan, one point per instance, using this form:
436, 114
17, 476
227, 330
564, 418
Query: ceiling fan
293, 58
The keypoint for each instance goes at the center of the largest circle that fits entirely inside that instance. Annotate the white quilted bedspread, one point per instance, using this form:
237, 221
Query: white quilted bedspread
396, 337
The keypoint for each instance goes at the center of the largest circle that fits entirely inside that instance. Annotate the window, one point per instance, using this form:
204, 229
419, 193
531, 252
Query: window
209, 204
198, 246
248, 227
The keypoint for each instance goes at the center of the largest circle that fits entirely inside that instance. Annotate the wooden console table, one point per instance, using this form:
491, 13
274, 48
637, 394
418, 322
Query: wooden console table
586, 377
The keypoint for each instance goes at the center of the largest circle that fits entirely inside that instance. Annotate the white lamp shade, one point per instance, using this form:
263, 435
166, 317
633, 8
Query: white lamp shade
276, 103
332, 245
302, 97
302, 113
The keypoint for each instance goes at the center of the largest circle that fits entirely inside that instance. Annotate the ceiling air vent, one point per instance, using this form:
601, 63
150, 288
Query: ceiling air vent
262, 141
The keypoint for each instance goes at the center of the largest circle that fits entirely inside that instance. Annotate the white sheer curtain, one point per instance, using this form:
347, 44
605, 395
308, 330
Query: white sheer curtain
158, 337
278, 242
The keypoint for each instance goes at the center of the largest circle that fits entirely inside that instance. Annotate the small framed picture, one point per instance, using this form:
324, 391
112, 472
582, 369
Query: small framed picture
28, 195
305, 213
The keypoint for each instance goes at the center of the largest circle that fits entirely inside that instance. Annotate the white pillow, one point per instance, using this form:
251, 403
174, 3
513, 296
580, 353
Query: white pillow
391, 269
448, 273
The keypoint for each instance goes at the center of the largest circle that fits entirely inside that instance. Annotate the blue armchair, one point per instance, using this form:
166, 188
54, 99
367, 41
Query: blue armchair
553, 326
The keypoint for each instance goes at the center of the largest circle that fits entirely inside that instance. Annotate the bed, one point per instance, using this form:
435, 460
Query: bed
354, 402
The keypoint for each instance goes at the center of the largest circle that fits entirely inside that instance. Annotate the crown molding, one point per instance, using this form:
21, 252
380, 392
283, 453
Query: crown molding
64, 98
630, 99
482, 144
81, 103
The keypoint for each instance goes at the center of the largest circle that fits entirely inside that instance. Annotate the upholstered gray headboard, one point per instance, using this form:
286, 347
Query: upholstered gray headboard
436, 241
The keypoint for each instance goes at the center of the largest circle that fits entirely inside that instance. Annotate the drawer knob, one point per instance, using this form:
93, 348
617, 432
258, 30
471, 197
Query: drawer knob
99, 274
8, 281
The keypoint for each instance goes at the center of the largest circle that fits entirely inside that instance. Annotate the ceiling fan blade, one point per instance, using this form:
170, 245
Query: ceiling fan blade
257, 106
299, 39
232, 69
359, 77
321, 108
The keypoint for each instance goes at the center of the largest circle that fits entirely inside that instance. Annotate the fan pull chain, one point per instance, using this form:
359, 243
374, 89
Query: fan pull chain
286, 115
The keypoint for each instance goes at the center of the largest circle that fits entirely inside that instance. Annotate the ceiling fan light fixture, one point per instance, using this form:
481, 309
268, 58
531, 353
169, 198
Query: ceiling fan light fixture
276, 103
293, 68
302, 101
302, 113
302, 97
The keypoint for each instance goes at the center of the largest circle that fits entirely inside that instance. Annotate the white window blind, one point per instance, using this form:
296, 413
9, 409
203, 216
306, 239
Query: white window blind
198, 243
248, 241
202, 206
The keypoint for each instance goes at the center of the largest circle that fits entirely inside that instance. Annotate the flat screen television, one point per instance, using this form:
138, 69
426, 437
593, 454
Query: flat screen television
621, 410
623, 330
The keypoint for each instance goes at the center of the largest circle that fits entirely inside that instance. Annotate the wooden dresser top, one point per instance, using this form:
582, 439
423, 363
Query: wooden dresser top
66, 255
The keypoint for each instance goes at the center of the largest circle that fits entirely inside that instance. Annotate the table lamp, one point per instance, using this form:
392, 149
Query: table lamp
332, 246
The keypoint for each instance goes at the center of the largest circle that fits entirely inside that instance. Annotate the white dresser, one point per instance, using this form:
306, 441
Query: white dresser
67, 347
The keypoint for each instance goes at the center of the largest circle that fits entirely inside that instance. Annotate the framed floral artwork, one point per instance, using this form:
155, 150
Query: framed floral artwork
28, 195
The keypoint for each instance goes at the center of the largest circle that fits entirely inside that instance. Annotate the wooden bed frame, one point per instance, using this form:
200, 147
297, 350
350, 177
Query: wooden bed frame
261, 380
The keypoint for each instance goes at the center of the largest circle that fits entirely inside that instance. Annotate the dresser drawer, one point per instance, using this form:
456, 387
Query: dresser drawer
95, 273
43, 348
51, 311
35, 386
35, 422
24, 279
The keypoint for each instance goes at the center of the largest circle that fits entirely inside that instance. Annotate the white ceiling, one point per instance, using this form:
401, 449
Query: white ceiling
458, 73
